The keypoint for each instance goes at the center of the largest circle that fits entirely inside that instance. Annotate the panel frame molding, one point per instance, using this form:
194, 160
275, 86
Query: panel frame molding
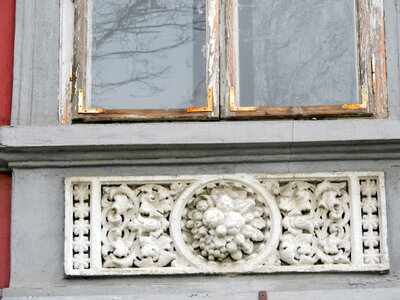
94, 226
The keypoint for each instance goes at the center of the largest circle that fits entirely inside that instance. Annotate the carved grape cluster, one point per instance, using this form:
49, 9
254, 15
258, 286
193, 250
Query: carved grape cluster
225, 222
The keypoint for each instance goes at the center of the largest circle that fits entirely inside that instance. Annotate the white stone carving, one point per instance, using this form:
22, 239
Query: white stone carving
229, 224
370, 221
135, 225
224, 221
225, 224
81, 226
316, 221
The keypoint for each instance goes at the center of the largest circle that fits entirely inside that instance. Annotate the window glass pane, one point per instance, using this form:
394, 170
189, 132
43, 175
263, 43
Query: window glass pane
148, 54
297, 53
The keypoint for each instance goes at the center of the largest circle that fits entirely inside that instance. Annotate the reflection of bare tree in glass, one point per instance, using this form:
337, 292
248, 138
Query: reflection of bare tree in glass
139, 35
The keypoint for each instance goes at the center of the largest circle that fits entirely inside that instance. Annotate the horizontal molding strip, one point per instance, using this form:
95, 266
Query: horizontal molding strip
200, 133
197, 143
223, 224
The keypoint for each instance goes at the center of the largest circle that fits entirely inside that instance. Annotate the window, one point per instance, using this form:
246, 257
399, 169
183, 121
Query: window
234, 59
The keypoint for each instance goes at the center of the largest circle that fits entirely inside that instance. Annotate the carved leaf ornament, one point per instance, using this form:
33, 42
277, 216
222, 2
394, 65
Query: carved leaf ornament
237, 223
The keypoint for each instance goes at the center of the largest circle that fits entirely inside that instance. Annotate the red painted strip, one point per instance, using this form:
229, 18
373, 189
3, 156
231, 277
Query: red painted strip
5, 227
7, 28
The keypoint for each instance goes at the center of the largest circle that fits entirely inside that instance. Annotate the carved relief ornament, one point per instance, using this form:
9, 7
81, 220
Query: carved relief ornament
240, 223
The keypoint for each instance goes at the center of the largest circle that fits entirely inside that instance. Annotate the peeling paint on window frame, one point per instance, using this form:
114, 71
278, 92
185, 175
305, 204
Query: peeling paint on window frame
222, 77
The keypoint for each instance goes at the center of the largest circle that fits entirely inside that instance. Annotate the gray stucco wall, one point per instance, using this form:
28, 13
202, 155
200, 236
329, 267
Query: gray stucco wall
41, 153
37, 240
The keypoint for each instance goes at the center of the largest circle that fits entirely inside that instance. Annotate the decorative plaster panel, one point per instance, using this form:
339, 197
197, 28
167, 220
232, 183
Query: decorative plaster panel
240, 223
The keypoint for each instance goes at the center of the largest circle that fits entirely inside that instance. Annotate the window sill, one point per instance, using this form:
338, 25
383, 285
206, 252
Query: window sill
203, 142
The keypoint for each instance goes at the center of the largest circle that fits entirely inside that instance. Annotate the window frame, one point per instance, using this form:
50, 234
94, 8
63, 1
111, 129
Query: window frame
80, 112
221, 99
370, 32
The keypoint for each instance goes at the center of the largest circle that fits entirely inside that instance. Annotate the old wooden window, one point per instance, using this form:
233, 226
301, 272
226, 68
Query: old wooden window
233, 59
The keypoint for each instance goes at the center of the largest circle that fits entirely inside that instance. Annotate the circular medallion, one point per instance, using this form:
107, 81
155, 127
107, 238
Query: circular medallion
226, 223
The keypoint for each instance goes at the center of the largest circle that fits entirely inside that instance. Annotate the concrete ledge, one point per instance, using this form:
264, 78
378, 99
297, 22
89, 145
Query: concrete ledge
200, 133
343, 294
198, 143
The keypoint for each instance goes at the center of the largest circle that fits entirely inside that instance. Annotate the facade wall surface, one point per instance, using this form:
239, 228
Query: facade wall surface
42, 153
38, 233
5, 228
7, 23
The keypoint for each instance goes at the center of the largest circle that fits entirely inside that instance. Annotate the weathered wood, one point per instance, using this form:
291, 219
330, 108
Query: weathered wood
66, 54
213, 54
79, 68
301, 112
371, 44
231, 52
144, 114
